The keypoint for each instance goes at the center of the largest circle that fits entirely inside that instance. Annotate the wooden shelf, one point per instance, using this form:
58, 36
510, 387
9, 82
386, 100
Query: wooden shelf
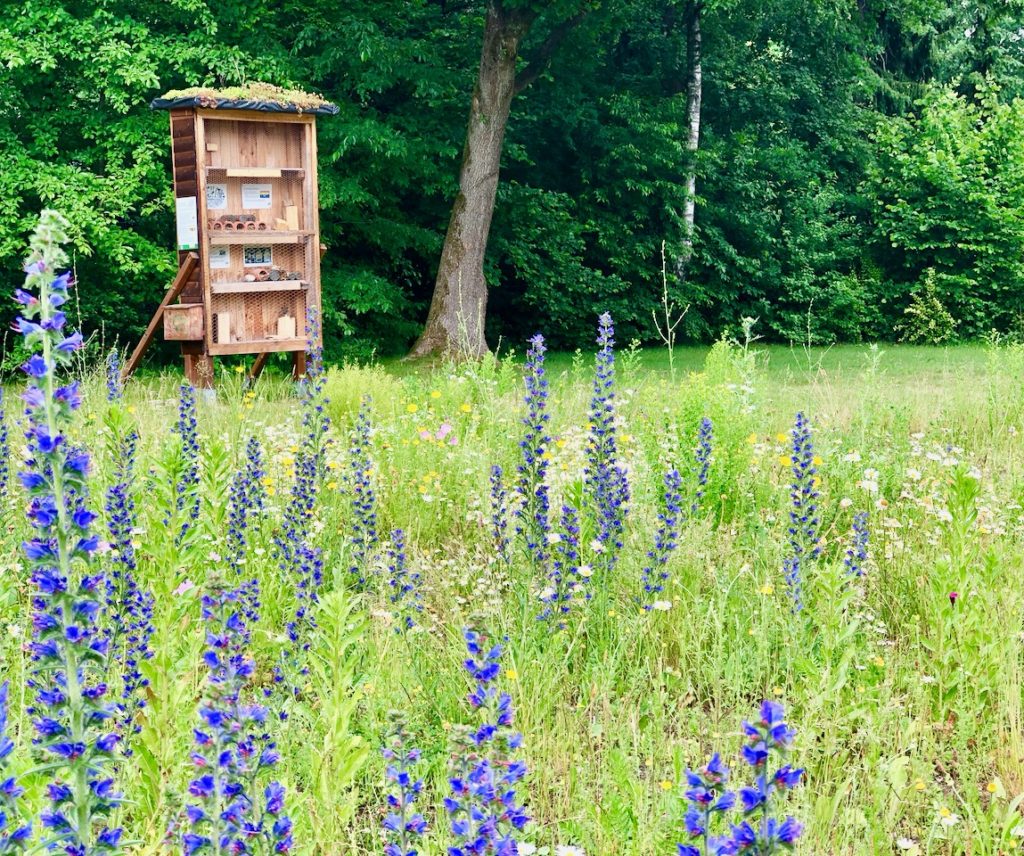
258, 287
270, 236
257, 172
258, 346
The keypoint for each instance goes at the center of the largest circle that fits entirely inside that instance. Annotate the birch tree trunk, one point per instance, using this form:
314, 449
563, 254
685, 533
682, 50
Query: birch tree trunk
455, 322
694, 91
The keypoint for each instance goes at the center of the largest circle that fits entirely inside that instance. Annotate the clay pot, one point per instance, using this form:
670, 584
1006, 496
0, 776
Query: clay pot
262, 275
262, 227
250, 226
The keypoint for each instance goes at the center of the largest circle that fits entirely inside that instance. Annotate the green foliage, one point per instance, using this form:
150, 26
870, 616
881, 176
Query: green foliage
926, 321
805, 218
949, 195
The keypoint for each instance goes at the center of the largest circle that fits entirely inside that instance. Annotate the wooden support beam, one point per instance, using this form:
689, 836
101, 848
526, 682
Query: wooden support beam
299, 365
257, 367
180, 281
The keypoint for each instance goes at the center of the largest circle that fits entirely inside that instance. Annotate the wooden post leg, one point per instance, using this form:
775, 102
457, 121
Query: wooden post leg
298, 365
199, 370
258, 365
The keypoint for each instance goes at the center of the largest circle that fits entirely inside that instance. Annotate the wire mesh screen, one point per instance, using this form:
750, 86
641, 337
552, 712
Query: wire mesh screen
254, 203
261, 318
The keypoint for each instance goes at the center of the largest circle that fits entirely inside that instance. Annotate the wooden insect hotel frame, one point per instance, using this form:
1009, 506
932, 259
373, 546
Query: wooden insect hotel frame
248, 234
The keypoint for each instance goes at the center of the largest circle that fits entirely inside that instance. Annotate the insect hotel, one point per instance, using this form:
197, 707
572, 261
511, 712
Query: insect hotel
248, 233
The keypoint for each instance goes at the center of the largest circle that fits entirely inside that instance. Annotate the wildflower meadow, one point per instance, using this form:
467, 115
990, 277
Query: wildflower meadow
571, 605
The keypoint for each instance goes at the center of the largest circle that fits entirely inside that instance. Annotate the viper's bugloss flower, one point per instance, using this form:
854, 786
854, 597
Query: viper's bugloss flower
403, 825
129, 607
803, 512
605, 480
115, 384
363, 498
702, 459
186, 488
484, 811
532, 524
769, 741
499, 513
315, 421
706, 798
857, 553
257, 472
403, 585
14, 836
70, 652
655, 573
567, 580
5, 449
233, 749
298, 558
244, 499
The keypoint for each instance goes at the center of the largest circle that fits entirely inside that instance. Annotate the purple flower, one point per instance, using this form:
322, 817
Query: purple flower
68, 647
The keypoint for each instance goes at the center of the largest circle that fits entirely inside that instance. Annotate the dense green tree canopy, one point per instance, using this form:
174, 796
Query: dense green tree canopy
847, 151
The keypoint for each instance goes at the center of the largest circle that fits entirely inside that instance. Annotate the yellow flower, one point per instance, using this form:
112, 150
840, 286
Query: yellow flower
546, 456
333, 485
422, 488
777, 691
332, 465
267, 481
611, 613
293, 449
817, 461
767, 588
512, 674
666, 785
271, 491
411, 408
785, 460
466, 408
991, 787
782, 438
878, 661
919, 785
560, 444
750, 632
752, 439
131, 408
434, 393
239, 369
945, 812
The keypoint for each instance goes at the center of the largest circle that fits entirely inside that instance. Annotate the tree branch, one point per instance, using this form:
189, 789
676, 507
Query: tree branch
535, 67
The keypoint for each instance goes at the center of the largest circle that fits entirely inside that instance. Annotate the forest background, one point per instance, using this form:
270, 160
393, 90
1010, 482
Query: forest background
859, 173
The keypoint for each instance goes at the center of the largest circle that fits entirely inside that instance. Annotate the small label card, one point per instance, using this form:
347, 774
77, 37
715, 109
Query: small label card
220, 258
187, 218
256, 195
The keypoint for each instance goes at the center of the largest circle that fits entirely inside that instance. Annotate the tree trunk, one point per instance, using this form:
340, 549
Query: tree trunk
455, 323
694, 91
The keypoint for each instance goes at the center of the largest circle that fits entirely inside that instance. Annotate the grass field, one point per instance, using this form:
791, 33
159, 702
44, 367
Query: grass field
907, 703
